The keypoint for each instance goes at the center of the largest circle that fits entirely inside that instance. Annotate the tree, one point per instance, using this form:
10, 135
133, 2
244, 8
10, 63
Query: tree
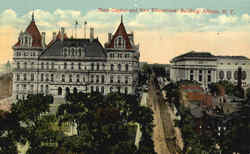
103, 123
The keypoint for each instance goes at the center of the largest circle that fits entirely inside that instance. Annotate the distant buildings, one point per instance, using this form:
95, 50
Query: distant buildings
206, 68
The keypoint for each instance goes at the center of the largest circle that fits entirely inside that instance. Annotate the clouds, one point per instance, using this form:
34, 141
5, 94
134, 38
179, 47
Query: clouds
181, 20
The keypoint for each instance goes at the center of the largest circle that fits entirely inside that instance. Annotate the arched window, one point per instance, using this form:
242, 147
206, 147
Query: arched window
59, 91
67, 90
119, 67
75, 90
112, 67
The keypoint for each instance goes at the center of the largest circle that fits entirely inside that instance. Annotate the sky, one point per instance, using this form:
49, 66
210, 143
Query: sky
163, 28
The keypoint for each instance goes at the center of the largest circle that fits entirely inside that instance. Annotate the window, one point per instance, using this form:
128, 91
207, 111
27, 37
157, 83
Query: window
126, 90
200, 77
118, 79
42, 66
112, 67
72, 66
209, 78
126, 79
111, 79
65, 50
59, 91
42, 77
70, 78
191, 75
77, 78
119, 42
92, 89
97, 89
46, 89
126, 67
24, 77
18, 65
221, 75
52, 77
17, 87
63, 78
119, 67
119, 89
75, 90
92, 66
97, 78
72, 52
79, 51
111, 89
103, 78
47, 65
229, 75
65, 65
102, 89
31, 88
32, 77
17, 77
79, 66
97, 66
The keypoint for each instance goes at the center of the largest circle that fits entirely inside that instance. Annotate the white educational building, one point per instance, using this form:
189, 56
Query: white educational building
206, 68
74, 64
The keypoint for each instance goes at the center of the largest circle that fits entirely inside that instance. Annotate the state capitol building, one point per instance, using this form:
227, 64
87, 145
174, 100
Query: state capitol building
74, 64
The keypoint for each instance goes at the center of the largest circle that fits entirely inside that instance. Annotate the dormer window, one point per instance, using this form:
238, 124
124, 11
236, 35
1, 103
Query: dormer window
119, 42
26, 40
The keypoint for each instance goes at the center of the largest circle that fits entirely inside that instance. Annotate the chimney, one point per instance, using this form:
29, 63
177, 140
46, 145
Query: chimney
91, 34
62, 33
54, 36
109, 37
43, 39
